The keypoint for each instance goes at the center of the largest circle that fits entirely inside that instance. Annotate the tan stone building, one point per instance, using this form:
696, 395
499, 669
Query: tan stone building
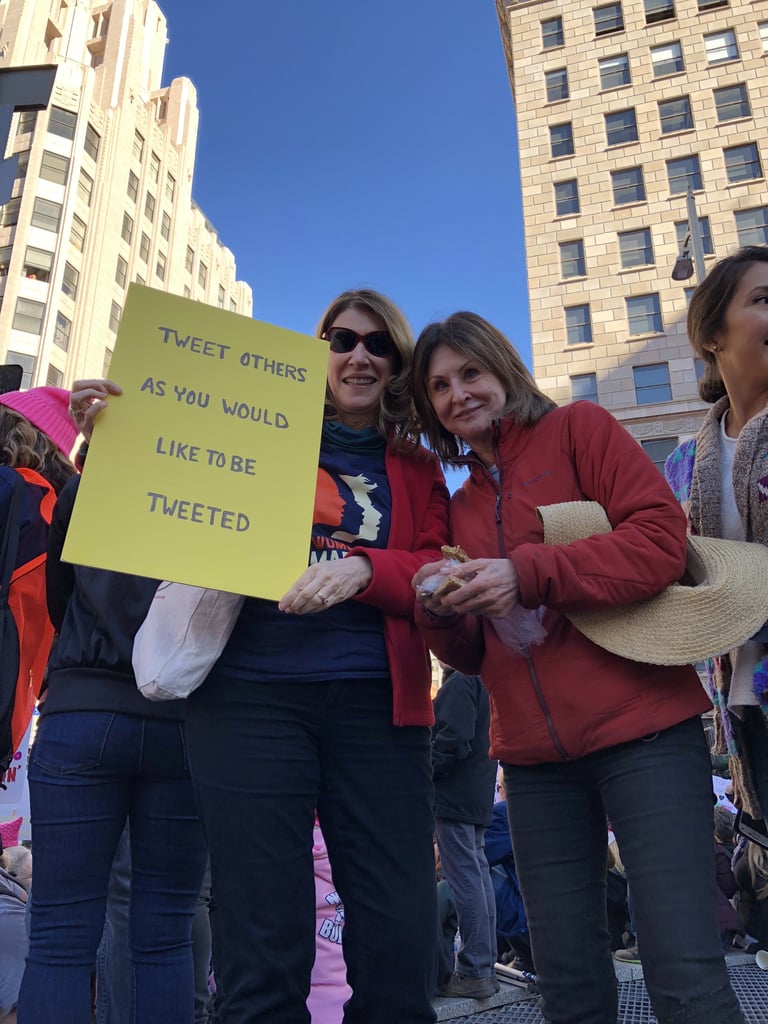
103, 188
620, 108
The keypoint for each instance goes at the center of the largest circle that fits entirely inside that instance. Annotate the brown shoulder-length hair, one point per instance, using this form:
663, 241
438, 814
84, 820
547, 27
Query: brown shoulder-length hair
22, 445
397, 416
707, 309
474, 338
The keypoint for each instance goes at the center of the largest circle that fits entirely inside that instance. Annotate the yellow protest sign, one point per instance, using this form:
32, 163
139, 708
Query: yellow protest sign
203, 471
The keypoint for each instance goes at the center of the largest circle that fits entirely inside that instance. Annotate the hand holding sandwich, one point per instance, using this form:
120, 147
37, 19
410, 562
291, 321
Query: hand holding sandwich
462, 586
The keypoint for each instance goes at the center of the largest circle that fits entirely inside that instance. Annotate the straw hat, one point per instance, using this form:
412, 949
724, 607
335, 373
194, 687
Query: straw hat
721, 601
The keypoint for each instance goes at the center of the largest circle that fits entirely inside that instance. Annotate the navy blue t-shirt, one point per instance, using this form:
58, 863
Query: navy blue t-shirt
353, 507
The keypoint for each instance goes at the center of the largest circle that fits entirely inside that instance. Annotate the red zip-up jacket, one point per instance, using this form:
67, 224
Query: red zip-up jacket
569, 697
418, 528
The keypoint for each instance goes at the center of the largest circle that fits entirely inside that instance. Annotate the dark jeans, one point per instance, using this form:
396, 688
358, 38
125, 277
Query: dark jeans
89, 772
657, 792
264, 756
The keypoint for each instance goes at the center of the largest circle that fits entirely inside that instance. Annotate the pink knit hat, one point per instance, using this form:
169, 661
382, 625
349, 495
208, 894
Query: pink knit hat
48, 410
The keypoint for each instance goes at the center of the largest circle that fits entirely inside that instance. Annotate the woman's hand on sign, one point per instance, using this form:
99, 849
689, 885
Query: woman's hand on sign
87, 399
327, 583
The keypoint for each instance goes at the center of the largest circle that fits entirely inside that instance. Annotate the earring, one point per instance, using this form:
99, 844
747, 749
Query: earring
715, 348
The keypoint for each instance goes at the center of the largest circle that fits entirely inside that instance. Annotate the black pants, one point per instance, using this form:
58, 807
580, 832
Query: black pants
657, 792
264, 757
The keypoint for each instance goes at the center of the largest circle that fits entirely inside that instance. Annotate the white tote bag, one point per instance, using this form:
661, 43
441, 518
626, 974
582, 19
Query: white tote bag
182, 636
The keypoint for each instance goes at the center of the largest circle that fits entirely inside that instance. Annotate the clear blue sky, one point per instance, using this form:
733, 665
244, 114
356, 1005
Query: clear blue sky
350, 143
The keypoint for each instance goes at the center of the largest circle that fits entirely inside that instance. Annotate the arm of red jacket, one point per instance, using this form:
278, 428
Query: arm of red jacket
390, 588
643, 554
457, 640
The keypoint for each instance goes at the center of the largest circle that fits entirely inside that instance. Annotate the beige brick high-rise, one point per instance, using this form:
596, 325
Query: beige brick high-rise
103, 192
620, 106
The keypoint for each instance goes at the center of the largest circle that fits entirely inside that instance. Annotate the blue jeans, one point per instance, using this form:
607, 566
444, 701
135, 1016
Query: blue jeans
264, 756
657, 793
462, 854
89, 772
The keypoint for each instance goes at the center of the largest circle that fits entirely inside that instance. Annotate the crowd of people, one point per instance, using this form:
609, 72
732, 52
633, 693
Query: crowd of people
294, 800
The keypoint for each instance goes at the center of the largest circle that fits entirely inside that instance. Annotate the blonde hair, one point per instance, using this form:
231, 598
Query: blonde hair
397, 416
23, 446
757, 862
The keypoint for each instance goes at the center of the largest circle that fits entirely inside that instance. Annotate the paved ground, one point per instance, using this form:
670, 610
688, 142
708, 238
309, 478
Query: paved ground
514, 1005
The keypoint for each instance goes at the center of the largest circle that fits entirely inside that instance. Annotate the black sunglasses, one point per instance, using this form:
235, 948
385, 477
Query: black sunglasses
377, 343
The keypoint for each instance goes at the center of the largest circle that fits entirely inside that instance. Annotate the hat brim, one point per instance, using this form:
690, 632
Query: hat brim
683, 624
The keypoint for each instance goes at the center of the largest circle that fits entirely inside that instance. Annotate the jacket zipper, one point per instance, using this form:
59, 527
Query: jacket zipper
529, 660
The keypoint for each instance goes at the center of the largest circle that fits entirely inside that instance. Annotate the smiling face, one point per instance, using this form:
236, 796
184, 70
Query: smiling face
742, 343
357, 380
466, 397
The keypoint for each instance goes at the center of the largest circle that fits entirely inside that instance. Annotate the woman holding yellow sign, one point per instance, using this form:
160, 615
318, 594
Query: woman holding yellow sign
323, 702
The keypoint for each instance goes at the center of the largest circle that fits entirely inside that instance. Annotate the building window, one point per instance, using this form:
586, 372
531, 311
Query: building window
92, 143
614, 72
85, 187
187, 292
566, 197
608, 18
149, 207
621, 127
222, 296
578, 325
165, 225
742, 163
28, 316
628, 186
62, 122
126, 232
5, 258
683, 173
133, 186
644, 314
190, 259
584, 387
121, 271
202, 274
62, 332
752, 226
636, 248
27, 363
55, 377
46, 214
572, 262
107, 362
144, 247
22, 163
732, 102
232, 306
561, 139
77, 236
705, 234
763, 30
115, 315
667, 60
160, 266
9, 214
154, 166
170, 187
652, 383
706, 5
54, 167
27, 121
37, 264
675, 115
557, 85
721, 46
658, 10
552, 33
659, 449
138, 146
70, 281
